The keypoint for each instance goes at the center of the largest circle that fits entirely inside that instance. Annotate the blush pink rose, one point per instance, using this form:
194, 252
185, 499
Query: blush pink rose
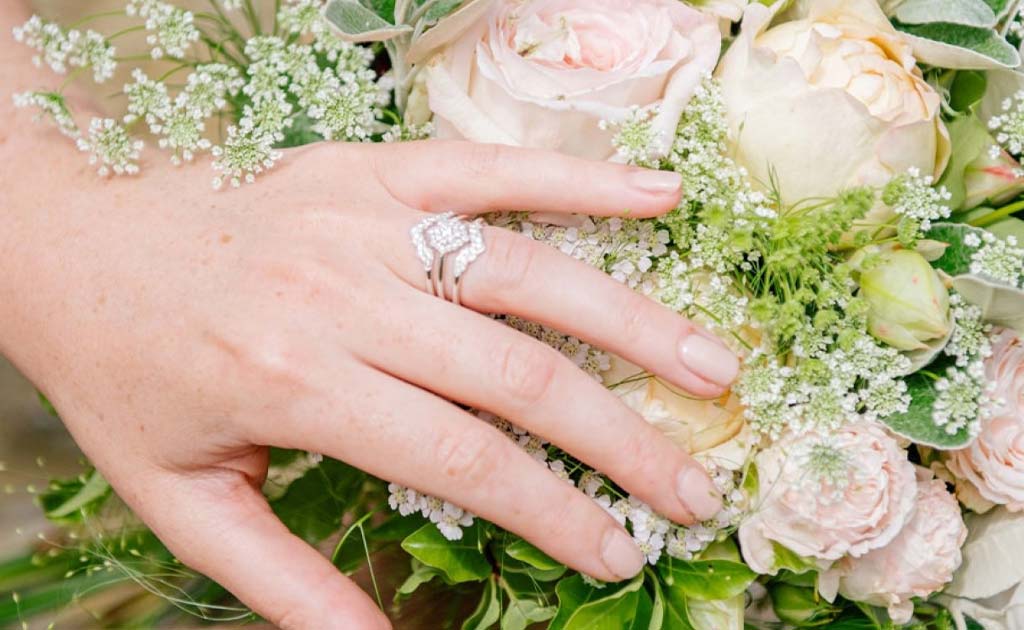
991, 469
920, 561
544, 73
824, 497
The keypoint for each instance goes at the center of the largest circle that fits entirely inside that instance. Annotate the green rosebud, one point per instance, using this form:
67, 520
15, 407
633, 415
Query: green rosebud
908, 304
801, 606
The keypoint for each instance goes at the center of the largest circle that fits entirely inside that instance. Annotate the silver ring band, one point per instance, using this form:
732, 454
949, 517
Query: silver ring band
446, 245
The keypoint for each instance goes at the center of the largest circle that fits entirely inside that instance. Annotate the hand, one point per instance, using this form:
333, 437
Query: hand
179, 331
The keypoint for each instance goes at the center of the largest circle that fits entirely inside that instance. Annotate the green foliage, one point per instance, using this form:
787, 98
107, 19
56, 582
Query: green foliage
967, 90
582, 606
983, 41
956, 260
354, 22
965, 12
314, 505
803, 607
526, 602
968, 136
458, 560
488, 611
706, 579
917, 423
68, 501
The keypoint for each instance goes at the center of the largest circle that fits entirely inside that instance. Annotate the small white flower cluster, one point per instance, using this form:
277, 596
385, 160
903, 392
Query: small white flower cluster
408, 133
242, 157
172, 30
110, 146
998, 259
60, 50
449, 518
827, 465
299, 17
708, 297
853, 380
1009, 124
588, 358
962, 402
913, 197
636, 140
50, 104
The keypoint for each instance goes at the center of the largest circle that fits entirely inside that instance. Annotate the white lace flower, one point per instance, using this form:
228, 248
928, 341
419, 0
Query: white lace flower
92, 50
110, 146
147, 99
48, 39
51, 105
242, 157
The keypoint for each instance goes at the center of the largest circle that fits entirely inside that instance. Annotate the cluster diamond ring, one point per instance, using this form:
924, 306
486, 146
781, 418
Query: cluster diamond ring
447, 244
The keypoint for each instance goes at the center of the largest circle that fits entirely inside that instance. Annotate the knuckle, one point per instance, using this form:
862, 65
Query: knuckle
527, 371
510, 261
483, 160
472, 457
634, 322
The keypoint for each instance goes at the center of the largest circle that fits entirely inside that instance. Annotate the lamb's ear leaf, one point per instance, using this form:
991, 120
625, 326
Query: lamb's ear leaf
917, 423
966, 12
355, 23
960, 47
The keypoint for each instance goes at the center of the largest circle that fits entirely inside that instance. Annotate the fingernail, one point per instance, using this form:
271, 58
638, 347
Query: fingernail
657, 182
709, 360
620, 554
698, 494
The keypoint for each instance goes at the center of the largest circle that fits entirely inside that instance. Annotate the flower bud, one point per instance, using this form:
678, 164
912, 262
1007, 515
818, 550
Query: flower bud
908, 304
800, 606
994, 176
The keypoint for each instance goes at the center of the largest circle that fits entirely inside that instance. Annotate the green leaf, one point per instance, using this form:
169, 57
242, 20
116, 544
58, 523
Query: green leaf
706, 579
70, 499
999, 7
459, 560
353, 22
1001, 304
313, 505
786, 560
677, 610
585, 607
956, 260
658, 612
644, 609
969, 138
488, 611
967, 12
421, 574
1010, 226
983, 42
524, 608
917, 423
525, 552
384, 8
968, 89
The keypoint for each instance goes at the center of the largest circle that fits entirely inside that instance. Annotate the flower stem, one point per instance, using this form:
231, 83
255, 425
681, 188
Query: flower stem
94, 17
998, 215
254, 20
131, 29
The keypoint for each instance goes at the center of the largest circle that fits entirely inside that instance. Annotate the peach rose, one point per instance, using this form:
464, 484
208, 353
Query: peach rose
843, 74
826, 496
991, 470
544, 73
919, 562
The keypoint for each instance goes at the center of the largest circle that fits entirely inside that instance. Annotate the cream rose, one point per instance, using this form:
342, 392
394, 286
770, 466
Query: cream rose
829, 101
544, 73
991, 470
828, 496
714, 431
920, 561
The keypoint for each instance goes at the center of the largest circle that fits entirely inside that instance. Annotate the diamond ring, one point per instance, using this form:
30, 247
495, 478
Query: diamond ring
446, 245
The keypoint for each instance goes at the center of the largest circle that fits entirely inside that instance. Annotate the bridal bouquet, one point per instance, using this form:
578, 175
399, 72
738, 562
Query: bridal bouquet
851, 179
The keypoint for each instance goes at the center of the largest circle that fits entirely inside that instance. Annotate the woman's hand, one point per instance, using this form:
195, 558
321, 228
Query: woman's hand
180, 331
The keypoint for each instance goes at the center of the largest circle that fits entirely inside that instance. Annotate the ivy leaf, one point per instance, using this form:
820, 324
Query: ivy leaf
960, 47
707, 579
355, 23
917, 423
585, 607
967, 12
421, 574
677, 610
313, 505
459, 560
525, 552
488, 611
528, 601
